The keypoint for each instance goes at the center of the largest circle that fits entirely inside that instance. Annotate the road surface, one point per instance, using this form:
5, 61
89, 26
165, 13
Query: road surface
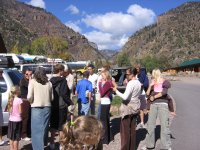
185, 126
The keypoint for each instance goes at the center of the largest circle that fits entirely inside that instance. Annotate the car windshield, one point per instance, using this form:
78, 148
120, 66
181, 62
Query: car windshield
15, 76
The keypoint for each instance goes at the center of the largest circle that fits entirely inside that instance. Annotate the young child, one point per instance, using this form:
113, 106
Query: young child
15, 120
82, 134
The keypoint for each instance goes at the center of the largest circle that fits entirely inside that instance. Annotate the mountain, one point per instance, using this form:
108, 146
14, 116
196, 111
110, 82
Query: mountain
21, 23
108, 54
175, 35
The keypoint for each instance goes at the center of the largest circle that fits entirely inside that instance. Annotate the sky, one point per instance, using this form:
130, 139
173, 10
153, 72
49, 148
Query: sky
108, 23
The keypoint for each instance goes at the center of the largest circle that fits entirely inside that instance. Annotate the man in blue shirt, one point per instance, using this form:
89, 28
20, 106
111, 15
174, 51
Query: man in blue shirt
83, 92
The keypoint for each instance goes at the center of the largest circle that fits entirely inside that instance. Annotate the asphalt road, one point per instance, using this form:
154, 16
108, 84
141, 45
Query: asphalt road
185, 126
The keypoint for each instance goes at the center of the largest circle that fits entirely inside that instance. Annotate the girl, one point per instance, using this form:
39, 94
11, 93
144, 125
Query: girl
105, 90
82, 134
15, 120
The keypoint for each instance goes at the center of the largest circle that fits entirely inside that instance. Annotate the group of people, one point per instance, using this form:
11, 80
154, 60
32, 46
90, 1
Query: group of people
43, 105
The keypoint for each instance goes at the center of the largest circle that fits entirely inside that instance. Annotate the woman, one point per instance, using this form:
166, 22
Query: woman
158, 107
40, 95
129, 111
105, 90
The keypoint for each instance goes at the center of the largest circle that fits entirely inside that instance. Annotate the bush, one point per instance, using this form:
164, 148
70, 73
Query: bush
116, 101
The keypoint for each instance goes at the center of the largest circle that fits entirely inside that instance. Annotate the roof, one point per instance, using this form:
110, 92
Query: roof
190, 62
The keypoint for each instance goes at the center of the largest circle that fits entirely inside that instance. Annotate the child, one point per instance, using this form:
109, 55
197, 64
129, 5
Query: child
15, 120
82, 134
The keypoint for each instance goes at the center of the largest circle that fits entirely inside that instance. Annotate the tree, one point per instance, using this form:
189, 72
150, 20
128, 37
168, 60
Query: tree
123, 60
50, 46
151, 62
15, 49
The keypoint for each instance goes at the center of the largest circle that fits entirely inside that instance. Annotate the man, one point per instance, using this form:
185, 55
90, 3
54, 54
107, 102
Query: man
92, 78
142, 77
60, 103
26, 105
83, 92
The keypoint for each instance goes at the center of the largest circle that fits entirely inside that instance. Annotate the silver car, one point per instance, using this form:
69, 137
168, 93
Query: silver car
8, 78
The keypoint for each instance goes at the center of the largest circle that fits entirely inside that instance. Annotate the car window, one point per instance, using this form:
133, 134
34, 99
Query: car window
3, 85
15, 76
48, 68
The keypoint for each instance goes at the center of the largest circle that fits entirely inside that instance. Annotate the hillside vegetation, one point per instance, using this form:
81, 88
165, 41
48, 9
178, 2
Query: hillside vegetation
174, 38
21, 24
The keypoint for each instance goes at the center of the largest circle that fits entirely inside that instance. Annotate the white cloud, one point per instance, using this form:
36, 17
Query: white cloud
112, 29
37, 3
73, 9
74, 26
106, 40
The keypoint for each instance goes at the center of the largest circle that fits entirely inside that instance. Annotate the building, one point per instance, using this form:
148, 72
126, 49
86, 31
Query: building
189, 65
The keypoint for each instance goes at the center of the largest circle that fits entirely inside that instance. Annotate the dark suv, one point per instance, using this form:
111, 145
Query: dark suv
119, 74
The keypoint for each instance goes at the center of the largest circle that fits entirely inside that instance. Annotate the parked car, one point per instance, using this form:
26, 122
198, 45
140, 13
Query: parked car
48, 67
119, 74
8, 78
16, 58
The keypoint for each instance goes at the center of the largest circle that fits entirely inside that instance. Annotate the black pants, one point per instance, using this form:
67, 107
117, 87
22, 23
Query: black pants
26, 119
105, 119
128, 132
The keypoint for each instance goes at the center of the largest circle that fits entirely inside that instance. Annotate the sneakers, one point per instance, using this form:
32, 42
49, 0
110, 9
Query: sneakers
26, 139
52, 146
141, 125
143, 148
2, 143
60, 147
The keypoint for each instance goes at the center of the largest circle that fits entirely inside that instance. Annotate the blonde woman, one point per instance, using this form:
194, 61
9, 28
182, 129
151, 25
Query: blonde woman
158, 107
105, 90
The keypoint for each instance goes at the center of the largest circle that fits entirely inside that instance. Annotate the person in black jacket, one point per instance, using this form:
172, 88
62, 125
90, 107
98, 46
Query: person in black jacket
26, 116
60, 103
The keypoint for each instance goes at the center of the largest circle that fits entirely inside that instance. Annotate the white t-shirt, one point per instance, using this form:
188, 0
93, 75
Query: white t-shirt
93, 78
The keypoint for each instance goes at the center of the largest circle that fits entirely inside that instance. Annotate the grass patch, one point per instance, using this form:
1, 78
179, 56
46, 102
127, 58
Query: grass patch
116, 101
115, 105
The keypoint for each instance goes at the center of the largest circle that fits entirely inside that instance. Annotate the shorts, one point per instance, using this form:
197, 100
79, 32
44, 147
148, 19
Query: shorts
14, 130
143, 102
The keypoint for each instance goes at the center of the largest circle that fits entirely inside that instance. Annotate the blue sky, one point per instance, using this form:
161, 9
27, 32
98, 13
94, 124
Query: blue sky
108, 23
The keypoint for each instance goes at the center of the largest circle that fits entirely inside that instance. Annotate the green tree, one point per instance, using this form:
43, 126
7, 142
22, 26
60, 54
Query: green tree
123, 60
50, 46
15, 49
151, 62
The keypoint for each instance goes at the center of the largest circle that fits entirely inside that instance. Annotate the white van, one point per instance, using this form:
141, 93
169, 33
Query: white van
17, 59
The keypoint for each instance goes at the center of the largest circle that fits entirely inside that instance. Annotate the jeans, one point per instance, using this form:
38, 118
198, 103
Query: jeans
39, 126
162, 111
83, 109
